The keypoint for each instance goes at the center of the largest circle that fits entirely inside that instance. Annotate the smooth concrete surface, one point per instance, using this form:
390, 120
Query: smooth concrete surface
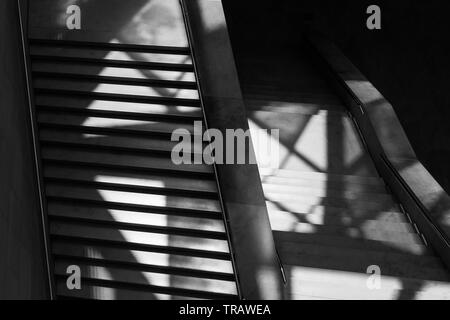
145, 22
22, 271
251, 237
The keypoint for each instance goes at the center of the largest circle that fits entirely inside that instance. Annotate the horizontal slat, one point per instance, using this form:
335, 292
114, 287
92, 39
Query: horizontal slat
109, 53
81, 86
133, 144
105, 222
130, 246
122, 185
105, 293
110, 46
114, 290
131, 179
119, 160
123, 197
120, 97
115, 63
98, 79
93, 131
213, 228
108, 291
120, 115
61, 118
129, 237
174, 282
142, 109
128, 73
148, 260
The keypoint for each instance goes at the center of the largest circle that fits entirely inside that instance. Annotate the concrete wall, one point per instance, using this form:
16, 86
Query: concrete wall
407, 60
22, 272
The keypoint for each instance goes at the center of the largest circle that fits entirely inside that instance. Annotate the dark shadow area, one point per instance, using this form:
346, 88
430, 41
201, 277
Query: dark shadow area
22, 263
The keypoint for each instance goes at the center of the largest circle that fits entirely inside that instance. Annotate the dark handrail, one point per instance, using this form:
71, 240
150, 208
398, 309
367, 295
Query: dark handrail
23, 17
443, 237
419, 204
395, 172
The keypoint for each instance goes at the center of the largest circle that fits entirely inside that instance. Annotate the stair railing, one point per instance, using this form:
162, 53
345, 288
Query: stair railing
420, 195
22, 6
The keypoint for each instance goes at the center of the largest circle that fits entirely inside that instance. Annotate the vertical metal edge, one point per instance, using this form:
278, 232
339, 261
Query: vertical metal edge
36, 152
224, 211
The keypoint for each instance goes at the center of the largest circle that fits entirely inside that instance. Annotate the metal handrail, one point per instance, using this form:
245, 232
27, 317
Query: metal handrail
419, 213
413, 196
396, 174
36, 148
394, 171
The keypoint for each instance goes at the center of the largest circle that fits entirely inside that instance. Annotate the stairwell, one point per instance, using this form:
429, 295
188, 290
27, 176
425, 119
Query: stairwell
334, 220
138, 226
